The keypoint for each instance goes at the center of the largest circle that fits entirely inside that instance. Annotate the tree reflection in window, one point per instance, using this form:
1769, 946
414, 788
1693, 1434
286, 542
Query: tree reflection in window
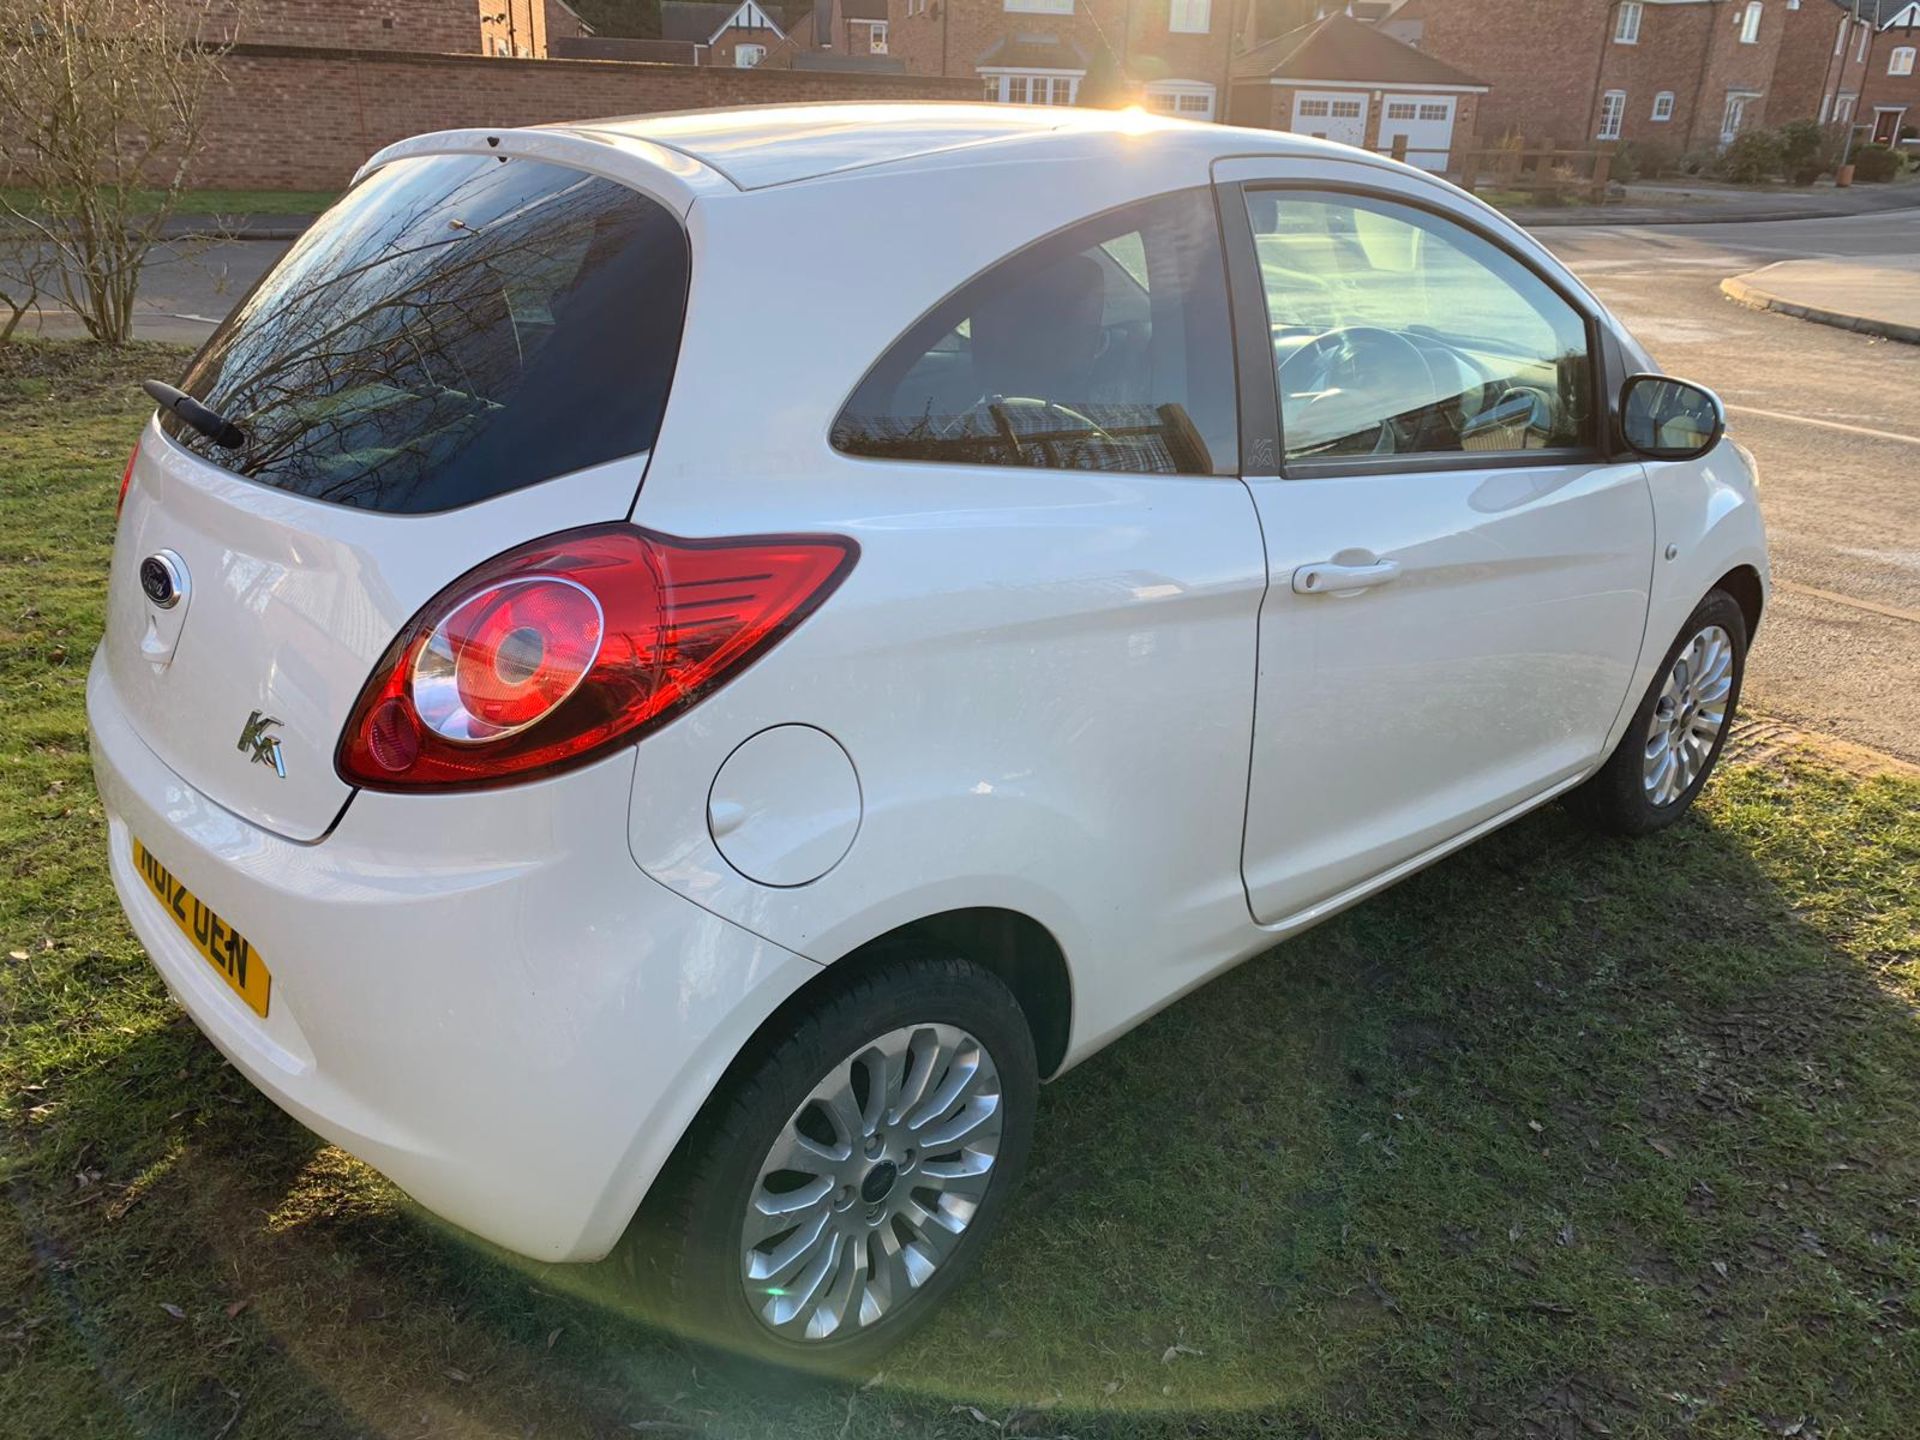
455, 328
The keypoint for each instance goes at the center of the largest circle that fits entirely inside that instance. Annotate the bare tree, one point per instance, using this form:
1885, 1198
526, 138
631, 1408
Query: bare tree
27, 270
102, 110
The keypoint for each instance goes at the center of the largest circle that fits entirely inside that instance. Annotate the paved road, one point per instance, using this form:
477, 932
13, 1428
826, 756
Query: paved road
1835, 421
1833, 417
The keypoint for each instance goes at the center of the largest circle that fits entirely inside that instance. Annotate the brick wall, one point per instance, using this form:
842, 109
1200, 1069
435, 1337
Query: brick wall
305, 119
1733, 65
1669, 56
1807, 68
427, 26
1879, 88
1541, 57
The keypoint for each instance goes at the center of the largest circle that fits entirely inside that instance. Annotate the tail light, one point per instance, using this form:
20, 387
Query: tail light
126, 479
547, 656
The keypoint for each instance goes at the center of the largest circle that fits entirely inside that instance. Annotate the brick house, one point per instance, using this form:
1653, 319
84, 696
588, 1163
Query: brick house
1170, 55
1890, 88
1344, 80
736, 33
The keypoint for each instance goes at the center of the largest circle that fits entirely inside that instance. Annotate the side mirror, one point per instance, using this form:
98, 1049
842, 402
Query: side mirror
1667, 419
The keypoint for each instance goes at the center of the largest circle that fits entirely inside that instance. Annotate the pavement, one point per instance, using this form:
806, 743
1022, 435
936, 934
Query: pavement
1666, 202
1880, 298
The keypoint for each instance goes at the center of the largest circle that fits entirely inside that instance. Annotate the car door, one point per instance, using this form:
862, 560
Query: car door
1457, 571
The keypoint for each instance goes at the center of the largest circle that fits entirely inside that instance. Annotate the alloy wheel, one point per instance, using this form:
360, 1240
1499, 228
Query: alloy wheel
1688, 716
872, 1183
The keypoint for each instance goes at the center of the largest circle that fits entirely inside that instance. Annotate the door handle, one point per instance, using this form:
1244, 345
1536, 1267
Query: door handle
1326, 577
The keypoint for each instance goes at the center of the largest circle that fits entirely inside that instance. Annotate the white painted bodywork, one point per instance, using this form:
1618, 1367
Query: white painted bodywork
1076, 696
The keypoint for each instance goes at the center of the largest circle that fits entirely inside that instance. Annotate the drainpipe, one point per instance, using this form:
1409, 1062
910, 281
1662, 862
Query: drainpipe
1600, 76
1700, 89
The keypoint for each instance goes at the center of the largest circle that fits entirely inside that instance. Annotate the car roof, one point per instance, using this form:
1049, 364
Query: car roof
759, 146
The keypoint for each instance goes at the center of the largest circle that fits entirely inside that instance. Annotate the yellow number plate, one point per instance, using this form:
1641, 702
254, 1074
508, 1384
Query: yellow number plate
219, 944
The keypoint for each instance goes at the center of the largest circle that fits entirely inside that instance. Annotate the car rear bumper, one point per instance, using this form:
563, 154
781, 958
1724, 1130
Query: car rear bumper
480, 995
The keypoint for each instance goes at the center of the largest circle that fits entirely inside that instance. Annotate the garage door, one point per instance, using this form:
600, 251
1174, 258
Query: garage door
1427, 123
1332, 115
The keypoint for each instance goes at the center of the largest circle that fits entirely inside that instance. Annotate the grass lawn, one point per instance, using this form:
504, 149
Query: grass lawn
219, 202
1562, 1138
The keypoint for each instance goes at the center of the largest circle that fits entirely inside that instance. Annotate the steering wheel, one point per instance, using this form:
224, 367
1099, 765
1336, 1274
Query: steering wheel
1352, 368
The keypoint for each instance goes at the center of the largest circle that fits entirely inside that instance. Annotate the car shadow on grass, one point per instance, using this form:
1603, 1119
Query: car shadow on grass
1561, 1137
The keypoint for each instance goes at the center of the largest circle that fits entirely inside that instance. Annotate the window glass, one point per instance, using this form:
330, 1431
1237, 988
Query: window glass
455, 327
1398, 333
1104, 347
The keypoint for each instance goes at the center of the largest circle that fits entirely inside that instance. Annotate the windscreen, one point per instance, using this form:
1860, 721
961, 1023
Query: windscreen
456, 327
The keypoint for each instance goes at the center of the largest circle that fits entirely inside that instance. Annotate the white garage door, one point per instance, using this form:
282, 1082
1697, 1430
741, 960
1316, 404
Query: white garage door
1426, 121
1332, 115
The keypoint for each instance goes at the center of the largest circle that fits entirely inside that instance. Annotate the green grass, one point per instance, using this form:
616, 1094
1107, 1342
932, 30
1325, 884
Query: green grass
226, 203
1560, 1138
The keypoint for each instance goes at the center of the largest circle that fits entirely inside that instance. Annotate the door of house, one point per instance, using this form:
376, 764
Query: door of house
1426, 121
1332, 115
1886, 124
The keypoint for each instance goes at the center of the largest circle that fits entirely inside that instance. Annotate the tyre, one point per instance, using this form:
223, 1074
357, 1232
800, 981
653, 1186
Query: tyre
1676, 735
835, 1190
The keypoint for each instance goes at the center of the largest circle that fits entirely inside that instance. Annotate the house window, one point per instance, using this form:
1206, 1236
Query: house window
1866, 36
1027, 87
877, 38
1663, 105
1843, 109
1313, 109
1613, 106
1348, 110
1735, 117
1190, 17
1626, 24
1901, 61
1402, 111
1435, 112
1840, 36
1750, 23
1189, 99
745, 57
1039, 7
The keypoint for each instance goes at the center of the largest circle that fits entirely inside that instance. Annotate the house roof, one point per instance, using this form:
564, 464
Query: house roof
1880, 12
1032, 52
1342, 48
700, 21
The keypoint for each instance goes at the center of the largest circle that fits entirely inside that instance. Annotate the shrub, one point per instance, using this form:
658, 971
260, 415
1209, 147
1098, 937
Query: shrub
1645, 160
1806, 151
1754, 156
1696, 163
1875, 164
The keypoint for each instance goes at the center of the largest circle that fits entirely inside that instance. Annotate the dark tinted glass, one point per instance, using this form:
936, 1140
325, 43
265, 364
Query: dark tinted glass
454, 328
1104, 347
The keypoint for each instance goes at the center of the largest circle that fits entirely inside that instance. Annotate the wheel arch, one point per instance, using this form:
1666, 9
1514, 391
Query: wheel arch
1744, 585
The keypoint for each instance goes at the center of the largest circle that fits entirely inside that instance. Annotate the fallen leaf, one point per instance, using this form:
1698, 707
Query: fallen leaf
233, 1310
459, 1377
553, 1335
174, 1310
1175, 1350
16, 954
1536, 1127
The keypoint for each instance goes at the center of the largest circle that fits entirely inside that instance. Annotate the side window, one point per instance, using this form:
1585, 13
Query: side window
1103, 347
1398, 333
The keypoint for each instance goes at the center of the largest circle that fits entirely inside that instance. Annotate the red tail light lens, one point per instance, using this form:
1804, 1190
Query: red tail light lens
548, 655
126, 479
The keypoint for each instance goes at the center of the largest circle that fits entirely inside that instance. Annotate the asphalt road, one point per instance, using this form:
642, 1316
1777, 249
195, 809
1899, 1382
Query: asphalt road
1834, 418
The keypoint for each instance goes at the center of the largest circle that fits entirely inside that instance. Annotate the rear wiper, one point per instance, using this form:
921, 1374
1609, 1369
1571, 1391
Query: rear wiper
210, 423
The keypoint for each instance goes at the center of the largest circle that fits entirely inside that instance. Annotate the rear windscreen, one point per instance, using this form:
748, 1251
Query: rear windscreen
456, 327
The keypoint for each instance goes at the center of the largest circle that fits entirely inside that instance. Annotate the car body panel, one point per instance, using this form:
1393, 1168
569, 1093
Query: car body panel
291, 603
460, 982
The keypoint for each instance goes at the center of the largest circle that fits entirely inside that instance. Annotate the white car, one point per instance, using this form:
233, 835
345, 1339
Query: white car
695, 659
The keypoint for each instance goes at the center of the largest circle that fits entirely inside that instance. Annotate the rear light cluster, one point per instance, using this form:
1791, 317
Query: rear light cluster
126, 479
550, 654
